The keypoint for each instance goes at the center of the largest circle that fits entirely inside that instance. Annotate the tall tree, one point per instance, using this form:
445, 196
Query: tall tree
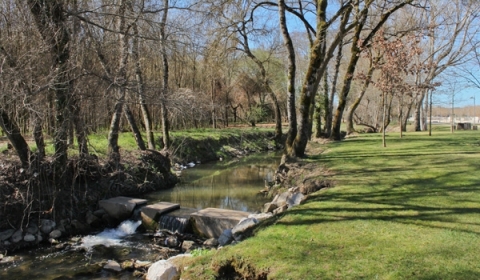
51, 21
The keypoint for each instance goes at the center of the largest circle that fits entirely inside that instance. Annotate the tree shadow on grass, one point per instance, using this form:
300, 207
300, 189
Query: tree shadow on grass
401, 205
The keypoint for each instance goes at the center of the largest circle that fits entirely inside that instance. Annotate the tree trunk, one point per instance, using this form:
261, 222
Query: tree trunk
163, 99
384, 143
15, 137
329, 103
80, 130
417, 117
347, 80
291, 109
120, 90
113, 148
134, 127
141, 90
38, 136
356, 102
51, 22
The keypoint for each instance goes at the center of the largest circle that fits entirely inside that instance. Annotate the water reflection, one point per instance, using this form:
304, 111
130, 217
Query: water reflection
229, 185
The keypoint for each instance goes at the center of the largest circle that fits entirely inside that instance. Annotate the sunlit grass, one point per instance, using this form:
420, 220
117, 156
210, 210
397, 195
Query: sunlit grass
98, 142
408, 211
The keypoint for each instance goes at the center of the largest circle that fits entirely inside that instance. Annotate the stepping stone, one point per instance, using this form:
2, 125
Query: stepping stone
121, 207
211, 222
151, 213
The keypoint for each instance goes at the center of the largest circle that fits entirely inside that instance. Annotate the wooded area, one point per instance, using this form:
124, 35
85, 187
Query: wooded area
72, 68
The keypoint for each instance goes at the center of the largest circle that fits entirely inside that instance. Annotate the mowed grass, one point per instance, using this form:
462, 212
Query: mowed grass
407, 211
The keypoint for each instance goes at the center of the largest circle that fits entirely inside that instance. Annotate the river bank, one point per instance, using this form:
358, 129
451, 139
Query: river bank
30, 196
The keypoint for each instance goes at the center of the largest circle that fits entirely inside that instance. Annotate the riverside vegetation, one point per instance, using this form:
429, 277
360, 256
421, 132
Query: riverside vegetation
408, 211
27, 195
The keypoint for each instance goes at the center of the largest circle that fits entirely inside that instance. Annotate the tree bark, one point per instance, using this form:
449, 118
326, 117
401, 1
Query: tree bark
291, 109
51, 23
164, 93
329, 104
356, 102
80, 130
134, 127
141, 90
15, 137
120, 81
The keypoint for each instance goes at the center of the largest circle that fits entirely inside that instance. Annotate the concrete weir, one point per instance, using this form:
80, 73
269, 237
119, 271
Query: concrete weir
151, 213
121, 207
208, 222
211, 222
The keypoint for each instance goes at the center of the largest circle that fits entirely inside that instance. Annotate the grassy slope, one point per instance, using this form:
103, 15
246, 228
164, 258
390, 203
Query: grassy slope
408, 211
98, 141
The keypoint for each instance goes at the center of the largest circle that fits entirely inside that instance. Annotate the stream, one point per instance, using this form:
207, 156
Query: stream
233, 184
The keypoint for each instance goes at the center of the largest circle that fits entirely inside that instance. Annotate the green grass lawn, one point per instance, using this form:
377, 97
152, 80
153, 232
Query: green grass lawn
407, 211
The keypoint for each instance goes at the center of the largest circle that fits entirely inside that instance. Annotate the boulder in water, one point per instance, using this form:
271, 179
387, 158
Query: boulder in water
17, 236
46, 226
4, 235
162, 270
29, 237
113, 266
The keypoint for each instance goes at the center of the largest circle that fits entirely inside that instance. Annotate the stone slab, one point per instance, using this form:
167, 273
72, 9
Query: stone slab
151, 213
211, 222
121, 207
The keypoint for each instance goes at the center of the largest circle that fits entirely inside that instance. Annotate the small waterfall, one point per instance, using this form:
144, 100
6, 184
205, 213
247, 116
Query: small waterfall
173, 223
111, 237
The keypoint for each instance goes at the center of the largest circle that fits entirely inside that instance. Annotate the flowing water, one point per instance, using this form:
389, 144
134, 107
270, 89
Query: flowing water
233, 184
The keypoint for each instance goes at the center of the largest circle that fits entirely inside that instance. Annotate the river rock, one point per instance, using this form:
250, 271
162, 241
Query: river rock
280, 209
128, 264
211, 242
6, 234
188, 245
296, 199
29, 237
226, 237
282, 199
17, 236
32, 229
92, 219
5, 260
79, 227
99, 213
261, 216
141, 264
269, 207
46, 226
162, 270
238, 230
113, 266
39, 237
172, 242
55, 234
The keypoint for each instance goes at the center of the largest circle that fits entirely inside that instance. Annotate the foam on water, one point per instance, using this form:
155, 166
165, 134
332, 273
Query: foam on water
111, 237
